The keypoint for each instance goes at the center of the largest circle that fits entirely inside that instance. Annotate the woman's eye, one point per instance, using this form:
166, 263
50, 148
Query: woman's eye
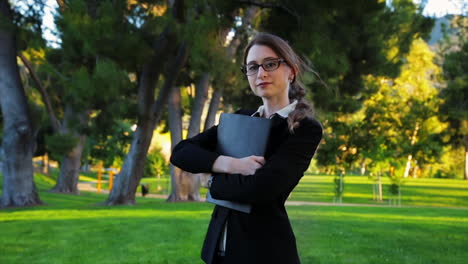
252, 67
270, 64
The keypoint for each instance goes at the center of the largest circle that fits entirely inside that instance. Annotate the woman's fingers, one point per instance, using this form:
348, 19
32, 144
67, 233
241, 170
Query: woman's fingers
259, 159
252, 163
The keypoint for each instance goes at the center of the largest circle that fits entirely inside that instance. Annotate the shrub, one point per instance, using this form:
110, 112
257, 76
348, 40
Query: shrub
155, 164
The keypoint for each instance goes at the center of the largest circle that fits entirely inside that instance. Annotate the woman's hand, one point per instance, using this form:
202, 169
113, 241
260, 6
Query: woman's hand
244, 166
247, 165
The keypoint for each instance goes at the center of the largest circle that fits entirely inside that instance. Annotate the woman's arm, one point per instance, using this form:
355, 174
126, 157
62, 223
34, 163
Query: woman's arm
197, 154
244, 166
279, 174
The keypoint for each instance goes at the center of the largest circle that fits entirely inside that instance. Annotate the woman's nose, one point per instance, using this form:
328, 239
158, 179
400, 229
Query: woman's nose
261, 72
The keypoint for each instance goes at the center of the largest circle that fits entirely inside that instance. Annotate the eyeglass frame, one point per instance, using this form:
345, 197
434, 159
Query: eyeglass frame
279, 60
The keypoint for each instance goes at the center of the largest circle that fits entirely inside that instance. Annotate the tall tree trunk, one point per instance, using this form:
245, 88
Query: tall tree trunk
191, 181
175, 126
128, 179
201, 95
213, 109
126, 182
18, 141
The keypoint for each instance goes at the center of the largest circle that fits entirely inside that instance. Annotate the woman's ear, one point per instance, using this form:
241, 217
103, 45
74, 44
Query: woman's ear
294, 72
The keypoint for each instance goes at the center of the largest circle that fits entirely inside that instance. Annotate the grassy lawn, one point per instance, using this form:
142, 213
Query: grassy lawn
358, 189
73, 229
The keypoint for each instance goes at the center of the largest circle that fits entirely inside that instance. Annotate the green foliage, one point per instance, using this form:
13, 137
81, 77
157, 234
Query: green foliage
109, 142
347, 42
156, 164
455, 69
99, 88
450, 165
60, 145
401, 116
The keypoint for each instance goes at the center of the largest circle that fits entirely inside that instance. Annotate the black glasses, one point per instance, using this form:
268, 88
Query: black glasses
268, 65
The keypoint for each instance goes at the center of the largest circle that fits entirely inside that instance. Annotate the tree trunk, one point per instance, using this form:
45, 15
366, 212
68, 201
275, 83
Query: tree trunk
466, 162
192, 182
44, 95
18, 141
213, 109
128, 179
70, 165
201, 95
363, 167
410, 156
175, 126
408, 166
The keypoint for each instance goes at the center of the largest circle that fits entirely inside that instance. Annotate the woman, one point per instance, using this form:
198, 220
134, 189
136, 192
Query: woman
265, 235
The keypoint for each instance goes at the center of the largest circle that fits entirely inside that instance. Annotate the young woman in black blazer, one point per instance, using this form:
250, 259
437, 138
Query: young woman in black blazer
265, 235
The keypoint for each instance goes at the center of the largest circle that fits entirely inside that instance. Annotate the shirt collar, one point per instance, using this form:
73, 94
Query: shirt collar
283, 112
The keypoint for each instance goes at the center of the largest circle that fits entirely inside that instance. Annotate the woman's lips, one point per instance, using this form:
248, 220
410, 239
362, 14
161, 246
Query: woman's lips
263, 84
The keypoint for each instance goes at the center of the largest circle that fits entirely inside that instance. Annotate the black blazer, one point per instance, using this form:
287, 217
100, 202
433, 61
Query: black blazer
265, 235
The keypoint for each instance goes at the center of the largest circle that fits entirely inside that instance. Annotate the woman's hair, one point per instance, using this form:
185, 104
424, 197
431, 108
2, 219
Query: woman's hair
296, 88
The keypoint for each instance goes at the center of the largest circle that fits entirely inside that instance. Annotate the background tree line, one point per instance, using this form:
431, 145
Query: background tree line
122, 68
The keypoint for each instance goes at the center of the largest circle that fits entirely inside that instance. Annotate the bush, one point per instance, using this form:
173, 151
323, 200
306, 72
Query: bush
155, 164
445, 174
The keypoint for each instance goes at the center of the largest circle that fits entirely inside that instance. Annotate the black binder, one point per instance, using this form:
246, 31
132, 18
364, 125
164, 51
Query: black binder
241, 136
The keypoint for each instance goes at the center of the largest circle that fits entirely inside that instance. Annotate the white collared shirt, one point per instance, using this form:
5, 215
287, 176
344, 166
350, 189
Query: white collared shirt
283, 112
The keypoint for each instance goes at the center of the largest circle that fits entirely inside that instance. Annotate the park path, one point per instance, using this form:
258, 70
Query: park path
89, 187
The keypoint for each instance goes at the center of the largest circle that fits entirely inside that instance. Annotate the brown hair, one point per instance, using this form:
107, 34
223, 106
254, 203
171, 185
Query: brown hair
296, 88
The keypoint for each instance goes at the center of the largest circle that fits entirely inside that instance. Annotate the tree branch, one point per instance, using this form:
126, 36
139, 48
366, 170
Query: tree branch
45, 97
61, 4
271, 5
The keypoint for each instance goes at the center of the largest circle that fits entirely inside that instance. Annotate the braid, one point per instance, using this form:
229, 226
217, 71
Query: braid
303, 107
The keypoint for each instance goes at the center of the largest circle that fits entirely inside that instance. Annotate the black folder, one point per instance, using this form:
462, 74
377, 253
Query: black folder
240, 136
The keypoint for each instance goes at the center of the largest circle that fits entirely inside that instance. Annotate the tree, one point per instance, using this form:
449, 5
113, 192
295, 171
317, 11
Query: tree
400, 121
150, 110
85, 79
455, 69
18, 142
206, 54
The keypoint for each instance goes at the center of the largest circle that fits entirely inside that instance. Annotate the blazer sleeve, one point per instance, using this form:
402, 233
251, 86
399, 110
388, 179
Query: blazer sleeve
197, 154
280, 174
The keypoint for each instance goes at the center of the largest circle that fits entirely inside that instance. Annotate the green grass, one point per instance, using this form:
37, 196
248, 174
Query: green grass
358, 189
74, 229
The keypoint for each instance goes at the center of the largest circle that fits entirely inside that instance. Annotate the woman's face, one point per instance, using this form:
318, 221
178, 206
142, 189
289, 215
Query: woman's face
268, 84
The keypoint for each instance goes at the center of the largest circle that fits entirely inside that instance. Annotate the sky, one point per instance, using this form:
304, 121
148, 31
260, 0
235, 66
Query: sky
440, 8
433, 8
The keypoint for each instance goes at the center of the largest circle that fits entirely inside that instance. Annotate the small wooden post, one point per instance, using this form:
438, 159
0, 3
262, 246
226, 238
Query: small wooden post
99, 179
111, 178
